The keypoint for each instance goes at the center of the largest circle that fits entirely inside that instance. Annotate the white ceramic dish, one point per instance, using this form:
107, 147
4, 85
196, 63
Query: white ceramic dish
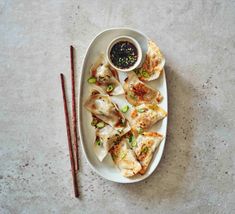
129, 39
107, 169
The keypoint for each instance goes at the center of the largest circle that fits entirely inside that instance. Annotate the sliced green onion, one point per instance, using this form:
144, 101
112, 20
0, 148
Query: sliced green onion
132, 141
141, 110
131, 138
132, 95
144, 149
145, 74
91, 80
98, 142
109, 88
120, 130
100, 125
140, 130
94, 122
134, 144
124, 109
123, 155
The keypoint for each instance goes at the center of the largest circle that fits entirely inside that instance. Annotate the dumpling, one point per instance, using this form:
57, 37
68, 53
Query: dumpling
125, 158
106, 78
103, 108
106, 135
137, 92
153, 64
144, 147
146, 115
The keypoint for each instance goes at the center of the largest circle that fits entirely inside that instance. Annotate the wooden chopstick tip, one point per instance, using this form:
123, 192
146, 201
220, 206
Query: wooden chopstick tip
71, 50
70, 145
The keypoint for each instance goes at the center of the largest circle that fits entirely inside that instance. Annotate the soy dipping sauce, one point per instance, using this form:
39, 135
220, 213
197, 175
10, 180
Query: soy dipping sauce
124, 54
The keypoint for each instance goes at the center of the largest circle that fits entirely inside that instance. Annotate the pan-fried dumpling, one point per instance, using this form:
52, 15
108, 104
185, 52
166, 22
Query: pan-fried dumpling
137, 92
125, 159
144, 147
106, 78
153, 64
106, 135
146, 115
103, 108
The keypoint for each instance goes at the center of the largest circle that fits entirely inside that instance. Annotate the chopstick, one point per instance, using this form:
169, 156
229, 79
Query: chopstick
74, 116
72, 161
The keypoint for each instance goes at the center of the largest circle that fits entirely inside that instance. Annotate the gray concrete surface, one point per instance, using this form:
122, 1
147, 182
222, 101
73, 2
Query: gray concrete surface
196, 174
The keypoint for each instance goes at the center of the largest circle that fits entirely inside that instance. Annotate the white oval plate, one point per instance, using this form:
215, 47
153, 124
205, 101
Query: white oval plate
107, 169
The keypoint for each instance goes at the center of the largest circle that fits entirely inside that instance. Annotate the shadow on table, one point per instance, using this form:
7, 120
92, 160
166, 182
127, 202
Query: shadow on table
166, 181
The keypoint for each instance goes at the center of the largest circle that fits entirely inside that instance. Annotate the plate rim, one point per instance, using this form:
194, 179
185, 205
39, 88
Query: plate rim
81, 77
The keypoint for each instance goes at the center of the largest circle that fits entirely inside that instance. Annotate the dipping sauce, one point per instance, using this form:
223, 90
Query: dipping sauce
124, 54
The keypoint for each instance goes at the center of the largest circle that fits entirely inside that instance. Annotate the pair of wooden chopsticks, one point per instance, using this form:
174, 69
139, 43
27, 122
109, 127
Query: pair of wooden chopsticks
73, 150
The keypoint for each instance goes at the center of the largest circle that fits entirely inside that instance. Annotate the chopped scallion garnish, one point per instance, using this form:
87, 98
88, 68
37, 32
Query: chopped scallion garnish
98, 142
124, 109
91, 80
94, 122
109, 88
100, 125
144, 149
140, 130
123, 155
145, 74
141, 110
134, 144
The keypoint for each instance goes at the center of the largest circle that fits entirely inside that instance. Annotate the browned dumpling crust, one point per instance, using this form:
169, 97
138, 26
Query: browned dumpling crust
125, 158
105, 77
103, 108
137, 92
105, 137
153, 64
144, 148
145, 116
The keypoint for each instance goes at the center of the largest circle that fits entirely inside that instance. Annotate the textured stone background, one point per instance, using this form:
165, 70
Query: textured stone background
196, 174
